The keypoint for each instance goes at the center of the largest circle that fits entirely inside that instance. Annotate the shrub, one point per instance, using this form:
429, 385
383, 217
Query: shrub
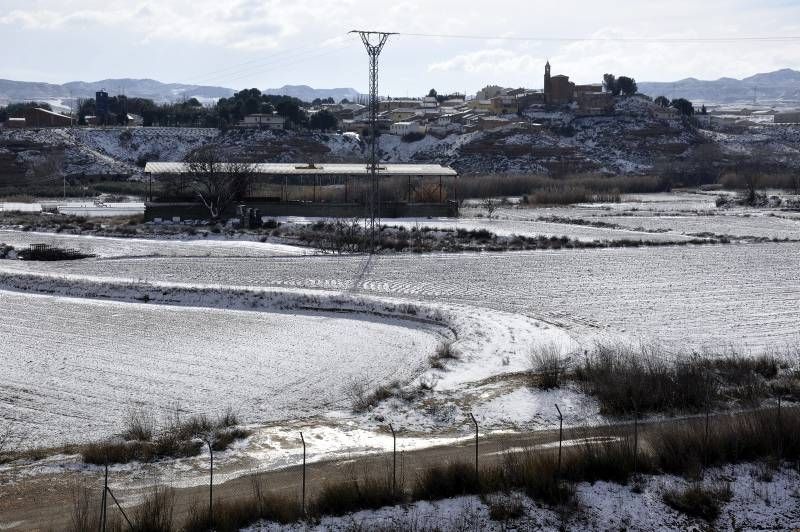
355, 493
231, 515
504, 508
547, 365
700, 501
179, 438
624, 380
139, 426
444, 351
155, 513
536, 473
445, 481
362, 399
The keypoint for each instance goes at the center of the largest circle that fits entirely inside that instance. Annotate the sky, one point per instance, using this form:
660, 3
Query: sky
269, 43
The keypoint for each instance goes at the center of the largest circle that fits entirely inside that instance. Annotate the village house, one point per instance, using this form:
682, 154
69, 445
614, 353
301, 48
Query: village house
38, 117
404, 128
263, 121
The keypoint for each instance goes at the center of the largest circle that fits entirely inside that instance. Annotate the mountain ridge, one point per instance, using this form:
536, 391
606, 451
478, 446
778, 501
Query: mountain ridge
780, 86
12, 90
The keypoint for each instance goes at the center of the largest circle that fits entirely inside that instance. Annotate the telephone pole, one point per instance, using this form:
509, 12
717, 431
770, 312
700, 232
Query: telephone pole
373, 42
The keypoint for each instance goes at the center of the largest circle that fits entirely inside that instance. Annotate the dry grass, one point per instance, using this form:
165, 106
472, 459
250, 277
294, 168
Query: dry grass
179, 437
444, 352
700, 501
548, 366
626, 378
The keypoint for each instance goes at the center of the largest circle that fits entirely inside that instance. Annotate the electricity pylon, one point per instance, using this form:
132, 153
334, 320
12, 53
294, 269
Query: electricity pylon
373, 42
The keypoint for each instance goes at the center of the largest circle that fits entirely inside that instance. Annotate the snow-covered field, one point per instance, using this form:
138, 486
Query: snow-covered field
741, 294
109, 247
250, 325
72, 367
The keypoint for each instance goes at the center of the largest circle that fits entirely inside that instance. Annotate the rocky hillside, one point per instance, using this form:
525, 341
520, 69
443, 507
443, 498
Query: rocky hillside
630, 142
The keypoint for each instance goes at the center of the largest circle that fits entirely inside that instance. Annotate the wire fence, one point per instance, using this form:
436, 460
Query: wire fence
301, 487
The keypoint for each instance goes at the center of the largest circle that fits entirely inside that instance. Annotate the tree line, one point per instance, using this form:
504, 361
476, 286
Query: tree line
226, 112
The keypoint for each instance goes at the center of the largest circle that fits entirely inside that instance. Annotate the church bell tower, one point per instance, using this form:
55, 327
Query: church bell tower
546, 81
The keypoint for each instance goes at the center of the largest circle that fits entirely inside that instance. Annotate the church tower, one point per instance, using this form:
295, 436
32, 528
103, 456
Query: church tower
546, 81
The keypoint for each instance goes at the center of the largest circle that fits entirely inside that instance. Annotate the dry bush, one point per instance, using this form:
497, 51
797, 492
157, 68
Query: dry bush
358, 492
139, 425
700, 501
504, 508
626, 379
178, 438
685, 449
536, 474
444, 352
548, 366
445, 481
363, 399
230, 515
156, 512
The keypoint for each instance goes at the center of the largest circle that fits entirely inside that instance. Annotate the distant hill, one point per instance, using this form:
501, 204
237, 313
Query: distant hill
149, 88
779, 87
309, 94
141, 88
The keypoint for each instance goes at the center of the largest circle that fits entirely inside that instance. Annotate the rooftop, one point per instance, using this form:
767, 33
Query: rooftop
318, 169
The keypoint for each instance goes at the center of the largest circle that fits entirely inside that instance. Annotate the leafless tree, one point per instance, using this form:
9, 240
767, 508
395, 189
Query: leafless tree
217, 180
490, 206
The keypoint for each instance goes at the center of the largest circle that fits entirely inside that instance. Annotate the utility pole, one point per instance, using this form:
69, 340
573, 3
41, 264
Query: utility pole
373, 42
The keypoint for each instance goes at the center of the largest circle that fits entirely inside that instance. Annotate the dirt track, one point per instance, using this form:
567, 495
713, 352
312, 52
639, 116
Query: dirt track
46, 502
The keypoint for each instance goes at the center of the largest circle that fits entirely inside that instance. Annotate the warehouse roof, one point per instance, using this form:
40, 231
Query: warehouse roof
319, 169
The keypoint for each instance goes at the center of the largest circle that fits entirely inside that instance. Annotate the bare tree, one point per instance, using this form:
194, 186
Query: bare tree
490, 206
217, 180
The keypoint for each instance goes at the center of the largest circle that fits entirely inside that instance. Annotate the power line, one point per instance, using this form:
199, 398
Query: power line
705, 40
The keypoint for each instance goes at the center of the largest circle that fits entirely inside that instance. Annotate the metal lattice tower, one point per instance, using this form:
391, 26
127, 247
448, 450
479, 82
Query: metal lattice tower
373, 42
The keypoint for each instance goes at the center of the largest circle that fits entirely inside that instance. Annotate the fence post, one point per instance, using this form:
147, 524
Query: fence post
104, 499
303, 499
635, 440
210, 486
560, 437
780, 429
394, 461
477, 474
705, 436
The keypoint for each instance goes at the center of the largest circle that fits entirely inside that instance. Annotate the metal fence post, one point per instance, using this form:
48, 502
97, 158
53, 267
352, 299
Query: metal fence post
210, 486
635, 440
477, 474
303, 499
104, 499
394, 461
560, 437
780, 429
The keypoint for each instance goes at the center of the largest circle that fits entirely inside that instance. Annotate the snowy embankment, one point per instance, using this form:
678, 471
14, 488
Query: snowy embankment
163, 246
757, 503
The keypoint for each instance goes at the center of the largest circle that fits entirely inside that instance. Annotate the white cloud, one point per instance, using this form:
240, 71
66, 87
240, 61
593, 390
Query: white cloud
495, 61
209, 35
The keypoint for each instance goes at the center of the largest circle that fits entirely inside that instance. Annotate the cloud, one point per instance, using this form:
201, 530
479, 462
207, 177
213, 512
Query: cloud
493, 61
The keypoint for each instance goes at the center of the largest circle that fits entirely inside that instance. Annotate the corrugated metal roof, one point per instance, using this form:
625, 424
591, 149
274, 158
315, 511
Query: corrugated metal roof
318, 169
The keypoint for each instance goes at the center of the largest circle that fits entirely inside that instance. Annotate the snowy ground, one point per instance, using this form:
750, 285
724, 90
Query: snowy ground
225, 296
73, 367
756, 504
740, 294
109, 247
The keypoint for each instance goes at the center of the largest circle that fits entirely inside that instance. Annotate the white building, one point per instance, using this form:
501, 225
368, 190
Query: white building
264, 121
404, 128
